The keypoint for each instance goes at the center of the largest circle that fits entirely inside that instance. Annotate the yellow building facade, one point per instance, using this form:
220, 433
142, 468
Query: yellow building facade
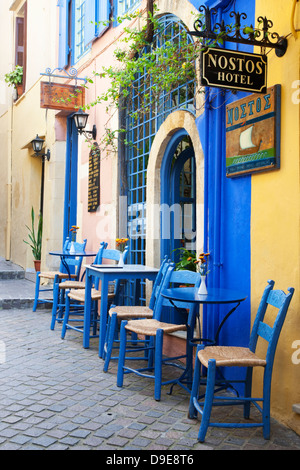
272, 231
275, 211
21, 119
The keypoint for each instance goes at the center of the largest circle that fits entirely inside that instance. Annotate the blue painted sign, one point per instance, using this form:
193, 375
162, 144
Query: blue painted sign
253, 133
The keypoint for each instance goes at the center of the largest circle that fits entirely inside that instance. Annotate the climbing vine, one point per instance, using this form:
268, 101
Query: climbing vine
163, 63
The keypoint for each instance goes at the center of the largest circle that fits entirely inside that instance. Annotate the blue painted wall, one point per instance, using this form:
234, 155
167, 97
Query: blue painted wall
227, 202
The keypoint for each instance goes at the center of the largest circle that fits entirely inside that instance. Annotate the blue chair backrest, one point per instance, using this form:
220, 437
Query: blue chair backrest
158, 282
111, 254
281, 301
73, 263
99, 255
175, 279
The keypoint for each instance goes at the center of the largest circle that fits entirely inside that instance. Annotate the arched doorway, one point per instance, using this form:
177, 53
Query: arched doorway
178, 198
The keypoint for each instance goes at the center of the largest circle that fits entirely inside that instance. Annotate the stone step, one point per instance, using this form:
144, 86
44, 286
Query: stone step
17, 288
16, 293
9, 270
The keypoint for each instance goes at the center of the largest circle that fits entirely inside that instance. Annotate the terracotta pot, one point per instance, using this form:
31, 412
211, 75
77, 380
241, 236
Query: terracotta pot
37, 264
19, 90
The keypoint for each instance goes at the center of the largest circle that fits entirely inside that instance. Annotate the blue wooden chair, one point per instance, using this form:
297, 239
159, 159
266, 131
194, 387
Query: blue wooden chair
74, 265
156, 329
213, 357
117, 313
61, 286
78, 296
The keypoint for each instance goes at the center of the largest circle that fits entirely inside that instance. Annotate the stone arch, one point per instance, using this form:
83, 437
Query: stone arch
175, 122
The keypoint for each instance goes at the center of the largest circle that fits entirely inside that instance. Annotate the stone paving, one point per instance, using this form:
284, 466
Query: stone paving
54, 395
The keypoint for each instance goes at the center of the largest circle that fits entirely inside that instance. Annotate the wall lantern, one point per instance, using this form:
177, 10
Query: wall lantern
80, 119
37, 145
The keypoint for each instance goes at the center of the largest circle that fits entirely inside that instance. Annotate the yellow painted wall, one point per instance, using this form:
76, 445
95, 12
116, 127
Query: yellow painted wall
275, 231
20, 121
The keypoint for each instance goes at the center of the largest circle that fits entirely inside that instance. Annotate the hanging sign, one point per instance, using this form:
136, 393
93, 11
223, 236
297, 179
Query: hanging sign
235, 70
253, 133
94, 179
62, 97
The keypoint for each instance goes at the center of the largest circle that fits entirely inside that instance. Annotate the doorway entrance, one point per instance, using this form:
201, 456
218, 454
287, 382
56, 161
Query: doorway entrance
70, 203
178, 201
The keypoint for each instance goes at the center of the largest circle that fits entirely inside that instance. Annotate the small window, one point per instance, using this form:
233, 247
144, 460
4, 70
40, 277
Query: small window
20, 41
124, 6
79, 27
79, 47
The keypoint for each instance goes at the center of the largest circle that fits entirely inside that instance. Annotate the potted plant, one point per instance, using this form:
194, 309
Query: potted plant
35, 240
15, 79
187, 260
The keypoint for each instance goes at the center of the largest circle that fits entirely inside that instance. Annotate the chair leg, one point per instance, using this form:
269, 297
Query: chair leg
37, 290
209, 396
158, 364
112, 325
94, 314
66, 317
266, 404
248, 389
122, 352
54, 305
61, 302
195, 387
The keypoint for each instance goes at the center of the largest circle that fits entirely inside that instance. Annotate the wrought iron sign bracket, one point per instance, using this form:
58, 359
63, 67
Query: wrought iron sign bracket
72, 74
248, 35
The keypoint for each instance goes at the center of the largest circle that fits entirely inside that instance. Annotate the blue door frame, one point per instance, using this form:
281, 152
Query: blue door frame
167, 189
71, 172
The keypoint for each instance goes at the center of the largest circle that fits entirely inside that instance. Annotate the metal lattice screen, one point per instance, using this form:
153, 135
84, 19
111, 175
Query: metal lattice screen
141, 129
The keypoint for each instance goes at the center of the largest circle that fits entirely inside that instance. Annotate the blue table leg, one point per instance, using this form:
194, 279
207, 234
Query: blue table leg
87, 311
103, 314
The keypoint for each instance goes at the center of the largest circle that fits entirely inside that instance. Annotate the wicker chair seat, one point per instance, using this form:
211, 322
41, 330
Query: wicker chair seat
128, 312
72, 285
52, 274
230, 356
79, 294
149, 327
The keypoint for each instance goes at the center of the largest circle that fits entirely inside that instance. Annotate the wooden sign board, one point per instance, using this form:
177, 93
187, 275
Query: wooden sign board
253, 133
94, 179
62, 97
234, 70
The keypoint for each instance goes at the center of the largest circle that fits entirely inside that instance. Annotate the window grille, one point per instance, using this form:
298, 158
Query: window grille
79, 43
124, 6
140, 133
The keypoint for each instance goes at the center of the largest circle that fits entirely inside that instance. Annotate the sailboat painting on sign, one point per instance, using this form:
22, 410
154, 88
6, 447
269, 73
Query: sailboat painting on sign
253, 133
246, 143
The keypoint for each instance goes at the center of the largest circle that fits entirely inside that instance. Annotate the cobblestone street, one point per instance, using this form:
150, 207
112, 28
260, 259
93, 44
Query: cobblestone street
54, 395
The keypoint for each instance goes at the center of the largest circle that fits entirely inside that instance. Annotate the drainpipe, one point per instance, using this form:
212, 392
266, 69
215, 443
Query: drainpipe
9, 163
217, 201
218, 183
9, 185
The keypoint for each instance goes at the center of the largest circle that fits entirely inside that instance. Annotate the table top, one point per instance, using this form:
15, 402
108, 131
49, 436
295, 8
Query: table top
127, 268
78, 253
213, 296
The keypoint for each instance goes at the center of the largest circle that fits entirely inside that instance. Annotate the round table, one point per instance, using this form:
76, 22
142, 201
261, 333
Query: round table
66, 254
213, 296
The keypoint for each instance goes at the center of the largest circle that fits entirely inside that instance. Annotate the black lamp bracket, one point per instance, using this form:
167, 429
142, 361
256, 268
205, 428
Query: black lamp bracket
44, 156
93, 132
248, 35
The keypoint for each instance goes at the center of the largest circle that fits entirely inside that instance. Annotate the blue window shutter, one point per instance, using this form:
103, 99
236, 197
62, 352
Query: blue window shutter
63, 52
103, 12
89, 21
